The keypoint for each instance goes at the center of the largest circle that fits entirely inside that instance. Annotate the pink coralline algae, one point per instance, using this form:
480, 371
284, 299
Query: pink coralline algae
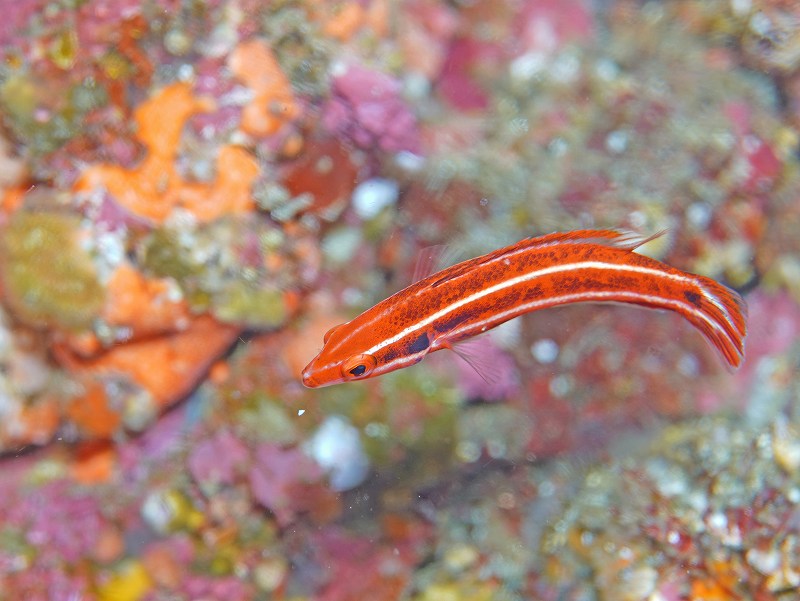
545, 26
63, 525
217, 460
16, 21
111, 216
280, 479
774, 328
458, 83
360, 568
763, 167
368, 109
203, 587
99, 19
39, 583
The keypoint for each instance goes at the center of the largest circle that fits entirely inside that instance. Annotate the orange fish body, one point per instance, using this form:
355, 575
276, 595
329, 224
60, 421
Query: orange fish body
471, 297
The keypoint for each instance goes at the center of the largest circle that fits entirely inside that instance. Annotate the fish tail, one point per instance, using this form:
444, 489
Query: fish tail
720, 316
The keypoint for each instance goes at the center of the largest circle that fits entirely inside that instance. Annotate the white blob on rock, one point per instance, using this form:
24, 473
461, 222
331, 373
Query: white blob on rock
374, 195
545, 350
336, 447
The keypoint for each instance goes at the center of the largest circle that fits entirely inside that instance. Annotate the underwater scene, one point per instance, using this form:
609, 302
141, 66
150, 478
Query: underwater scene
234, 235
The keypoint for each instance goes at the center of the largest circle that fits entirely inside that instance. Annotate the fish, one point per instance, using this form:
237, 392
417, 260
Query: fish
445, 309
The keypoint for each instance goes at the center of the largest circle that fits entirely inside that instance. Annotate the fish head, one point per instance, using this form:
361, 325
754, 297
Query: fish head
343, 358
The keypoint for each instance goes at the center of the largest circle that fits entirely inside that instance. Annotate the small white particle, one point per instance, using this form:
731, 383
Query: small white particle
528, 66
559, 386
699, 214
301, 411
688, 365
558, 147
741, 7
565, 68
760, 24
637, 219
545, 350
519, 126
546, 489
718, 521
606, 69
617, 141
336, 447
372, 196
673, 537
409, 161
186, 72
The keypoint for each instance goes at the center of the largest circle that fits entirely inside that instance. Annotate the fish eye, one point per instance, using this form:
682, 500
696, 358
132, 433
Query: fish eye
358, 366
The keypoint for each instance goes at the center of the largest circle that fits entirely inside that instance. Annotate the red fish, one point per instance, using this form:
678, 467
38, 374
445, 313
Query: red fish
471, 297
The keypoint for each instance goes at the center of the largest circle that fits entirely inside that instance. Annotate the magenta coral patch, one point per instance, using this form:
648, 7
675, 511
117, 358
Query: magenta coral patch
276, 477
217, 461
58, 522
457, 84
367, 108
547, 25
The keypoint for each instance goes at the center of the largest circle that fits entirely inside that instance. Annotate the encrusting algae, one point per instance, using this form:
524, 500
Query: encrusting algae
272, 104
47, 276
154, 188
193, 193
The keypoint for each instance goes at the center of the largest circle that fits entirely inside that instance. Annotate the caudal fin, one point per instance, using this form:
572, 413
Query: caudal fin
724, 318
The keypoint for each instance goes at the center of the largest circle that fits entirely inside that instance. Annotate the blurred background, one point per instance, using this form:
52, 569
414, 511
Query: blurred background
193, 192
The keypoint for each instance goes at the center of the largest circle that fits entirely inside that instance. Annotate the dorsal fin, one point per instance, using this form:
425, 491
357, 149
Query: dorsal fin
459, 269
624, 239
433, 259
619, 238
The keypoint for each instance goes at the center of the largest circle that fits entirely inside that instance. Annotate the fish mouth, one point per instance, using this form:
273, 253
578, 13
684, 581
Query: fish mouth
308, 378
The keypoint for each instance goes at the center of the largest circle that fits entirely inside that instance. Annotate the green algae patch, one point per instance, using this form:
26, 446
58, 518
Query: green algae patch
164, 255
240, 302
220, 268
48, 279
42, 118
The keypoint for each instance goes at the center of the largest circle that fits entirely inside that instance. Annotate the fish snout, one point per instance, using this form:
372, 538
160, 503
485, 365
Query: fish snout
308, 378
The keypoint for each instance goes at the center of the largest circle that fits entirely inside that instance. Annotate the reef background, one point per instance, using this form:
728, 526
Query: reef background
193, 192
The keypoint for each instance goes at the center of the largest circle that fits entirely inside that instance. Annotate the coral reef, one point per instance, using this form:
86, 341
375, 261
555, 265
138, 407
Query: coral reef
193, 193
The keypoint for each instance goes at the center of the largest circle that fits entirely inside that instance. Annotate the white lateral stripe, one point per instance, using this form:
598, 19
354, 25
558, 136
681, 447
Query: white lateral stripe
599, 295
626, 238
531, 276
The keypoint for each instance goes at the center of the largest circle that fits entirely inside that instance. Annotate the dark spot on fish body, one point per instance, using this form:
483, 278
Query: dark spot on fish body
621, 282
533, 292
692, 296
653, 287
564, 284
501, 301
592, 284
451, 322
420, 344
389, 355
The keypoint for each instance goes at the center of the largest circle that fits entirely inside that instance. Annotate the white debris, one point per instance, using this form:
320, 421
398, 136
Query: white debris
545, 350
374, 195
336, 447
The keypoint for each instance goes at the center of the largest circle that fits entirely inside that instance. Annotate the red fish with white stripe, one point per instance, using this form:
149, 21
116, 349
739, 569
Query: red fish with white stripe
474, 296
